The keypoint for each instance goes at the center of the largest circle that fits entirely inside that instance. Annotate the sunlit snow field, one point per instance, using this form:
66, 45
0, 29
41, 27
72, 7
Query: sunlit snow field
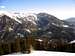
43, 53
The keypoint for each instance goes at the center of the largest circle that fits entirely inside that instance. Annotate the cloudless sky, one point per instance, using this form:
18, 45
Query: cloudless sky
60, 8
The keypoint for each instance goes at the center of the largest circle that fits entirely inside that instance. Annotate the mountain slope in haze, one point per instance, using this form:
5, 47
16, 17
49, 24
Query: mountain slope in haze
71, 22
72, 19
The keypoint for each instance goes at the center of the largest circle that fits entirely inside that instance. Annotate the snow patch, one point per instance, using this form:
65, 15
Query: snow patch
39, 40
28, 30
43, 53
72, 41
55, 24
65, 26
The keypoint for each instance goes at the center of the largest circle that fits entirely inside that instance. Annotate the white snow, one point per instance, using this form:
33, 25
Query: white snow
28, 30
43, 53
49, 32
72, 41
10, 29
21, 35
65, 26
55, 24
26, 16
22, 16
10, 14
5, 13
31, 17
38, 39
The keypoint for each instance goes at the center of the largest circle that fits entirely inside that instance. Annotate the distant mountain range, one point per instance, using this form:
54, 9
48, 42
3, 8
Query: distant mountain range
71, 22
72, 19
40, 25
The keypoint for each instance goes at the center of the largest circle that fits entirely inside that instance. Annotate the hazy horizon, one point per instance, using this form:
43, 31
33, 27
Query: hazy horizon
62, 9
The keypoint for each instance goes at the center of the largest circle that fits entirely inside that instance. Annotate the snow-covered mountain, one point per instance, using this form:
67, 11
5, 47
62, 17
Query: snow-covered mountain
20, 17
42, 23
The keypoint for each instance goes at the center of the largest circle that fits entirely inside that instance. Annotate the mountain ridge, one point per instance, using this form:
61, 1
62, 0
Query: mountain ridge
41, 24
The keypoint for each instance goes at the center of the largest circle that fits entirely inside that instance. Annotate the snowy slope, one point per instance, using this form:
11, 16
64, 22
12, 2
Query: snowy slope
10, 14
43, 53
26, 19
22, 16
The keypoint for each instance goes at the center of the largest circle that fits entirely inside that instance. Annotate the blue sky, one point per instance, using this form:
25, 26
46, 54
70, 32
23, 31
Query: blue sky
60, 8
31, 4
